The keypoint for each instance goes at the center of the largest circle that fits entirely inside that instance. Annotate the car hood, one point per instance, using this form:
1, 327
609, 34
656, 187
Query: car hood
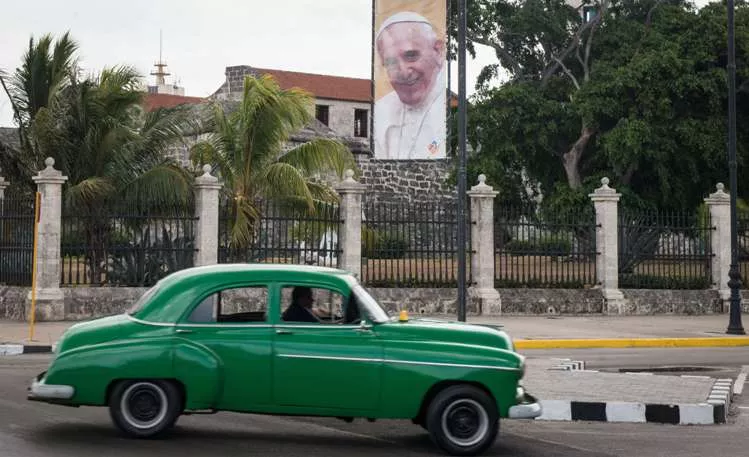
452, 331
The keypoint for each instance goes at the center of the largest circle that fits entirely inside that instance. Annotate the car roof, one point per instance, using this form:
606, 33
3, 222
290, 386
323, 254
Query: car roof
190, 281
253, 267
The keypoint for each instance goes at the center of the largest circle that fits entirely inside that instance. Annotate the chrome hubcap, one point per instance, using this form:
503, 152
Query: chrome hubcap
144, 405
465, 422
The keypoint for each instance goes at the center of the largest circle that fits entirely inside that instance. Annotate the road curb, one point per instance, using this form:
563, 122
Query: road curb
633, 412
737, 341
20, 349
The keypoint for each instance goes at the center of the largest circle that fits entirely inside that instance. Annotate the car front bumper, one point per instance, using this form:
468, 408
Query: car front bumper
528, 406
41, 391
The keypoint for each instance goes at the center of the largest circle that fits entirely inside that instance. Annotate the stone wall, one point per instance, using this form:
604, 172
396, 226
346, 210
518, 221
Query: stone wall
12, 301
89, 302
665, 301
412, 181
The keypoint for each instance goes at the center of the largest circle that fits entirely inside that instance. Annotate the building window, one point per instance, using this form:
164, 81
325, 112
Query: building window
361, 123
322, 113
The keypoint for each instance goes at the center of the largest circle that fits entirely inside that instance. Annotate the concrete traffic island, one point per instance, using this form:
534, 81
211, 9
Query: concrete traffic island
569, 392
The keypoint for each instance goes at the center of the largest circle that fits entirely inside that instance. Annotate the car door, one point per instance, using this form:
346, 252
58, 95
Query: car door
232, 325
326, 365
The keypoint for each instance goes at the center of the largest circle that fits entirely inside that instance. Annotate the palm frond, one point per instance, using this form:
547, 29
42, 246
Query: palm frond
273, 125
90, 192
164, 187
320, 156
282, 180
161, 129
246, 217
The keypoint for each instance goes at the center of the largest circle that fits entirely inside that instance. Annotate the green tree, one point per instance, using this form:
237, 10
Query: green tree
111, 150
638, 94
45, 70
247, 147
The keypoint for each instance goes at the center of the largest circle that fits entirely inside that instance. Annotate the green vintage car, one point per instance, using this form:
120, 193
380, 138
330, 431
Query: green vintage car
286, 340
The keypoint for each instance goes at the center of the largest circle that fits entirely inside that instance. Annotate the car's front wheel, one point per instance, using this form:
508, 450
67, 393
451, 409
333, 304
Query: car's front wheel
144, 408
463, 420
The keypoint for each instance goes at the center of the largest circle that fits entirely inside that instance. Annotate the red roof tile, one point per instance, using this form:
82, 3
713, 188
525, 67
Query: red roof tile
154, 101
323, 86
326, 86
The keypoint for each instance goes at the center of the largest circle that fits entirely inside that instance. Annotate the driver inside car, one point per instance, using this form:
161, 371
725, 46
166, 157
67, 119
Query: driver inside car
301, 309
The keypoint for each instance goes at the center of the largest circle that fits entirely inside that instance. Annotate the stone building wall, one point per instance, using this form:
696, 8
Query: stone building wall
410, 181
341, 115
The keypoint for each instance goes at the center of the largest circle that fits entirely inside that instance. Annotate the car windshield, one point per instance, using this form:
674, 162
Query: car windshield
373, 309
142, 300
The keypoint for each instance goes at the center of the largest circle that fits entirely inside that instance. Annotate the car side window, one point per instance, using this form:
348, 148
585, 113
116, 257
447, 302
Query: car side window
233, 305
316, 305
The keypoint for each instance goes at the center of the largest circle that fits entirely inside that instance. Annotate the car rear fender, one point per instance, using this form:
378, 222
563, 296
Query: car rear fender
91, 369
201, 372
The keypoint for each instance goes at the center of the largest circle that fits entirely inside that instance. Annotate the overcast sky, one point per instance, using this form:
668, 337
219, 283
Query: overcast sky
202, 37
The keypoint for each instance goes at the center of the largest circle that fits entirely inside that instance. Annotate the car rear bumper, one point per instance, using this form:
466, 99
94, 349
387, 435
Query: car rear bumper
41, 391
527, 408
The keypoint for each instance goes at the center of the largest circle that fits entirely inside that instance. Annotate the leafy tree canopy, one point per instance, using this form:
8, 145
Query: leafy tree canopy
637, 93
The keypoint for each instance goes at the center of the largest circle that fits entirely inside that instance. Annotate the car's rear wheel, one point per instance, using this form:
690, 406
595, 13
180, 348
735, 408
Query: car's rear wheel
463, 420
144, 408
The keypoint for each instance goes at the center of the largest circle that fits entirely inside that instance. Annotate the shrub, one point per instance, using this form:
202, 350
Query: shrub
383, 245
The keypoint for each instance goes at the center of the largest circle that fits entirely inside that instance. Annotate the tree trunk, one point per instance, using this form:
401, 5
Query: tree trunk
571, 160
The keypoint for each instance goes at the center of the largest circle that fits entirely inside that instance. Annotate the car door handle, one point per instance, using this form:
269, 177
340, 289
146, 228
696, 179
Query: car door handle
283, 331
183, 330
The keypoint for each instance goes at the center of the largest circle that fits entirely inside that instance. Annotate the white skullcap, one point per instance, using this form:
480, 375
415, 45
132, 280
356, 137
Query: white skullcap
403, 16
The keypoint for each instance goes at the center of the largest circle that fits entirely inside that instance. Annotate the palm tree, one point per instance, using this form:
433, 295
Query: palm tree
247, 148
46, 69
114, 155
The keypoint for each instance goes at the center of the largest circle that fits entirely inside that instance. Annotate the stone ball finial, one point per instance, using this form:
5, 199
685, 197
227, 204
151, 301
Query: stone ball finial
482, 179
49, 162
720, 187
348, 174
605, 181
207, 169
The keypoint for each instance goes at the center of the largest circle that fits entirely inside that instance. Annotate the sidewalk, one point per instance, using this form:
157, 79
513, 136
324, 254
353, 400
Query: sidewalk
528, 332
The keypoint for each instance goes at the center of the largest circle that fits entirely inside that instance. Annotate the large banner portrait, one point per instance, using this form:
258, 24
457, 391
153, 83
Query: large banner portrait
410, 79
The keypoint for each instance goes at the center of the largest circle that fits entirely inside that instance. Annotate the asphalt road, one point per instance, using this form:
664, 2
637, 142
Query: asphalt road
29, 429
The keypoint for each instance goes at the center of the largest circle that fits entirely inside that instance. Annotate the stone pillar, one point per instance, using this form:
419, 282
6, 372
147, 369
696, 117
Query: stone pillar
484, 297
206, 190
606, 202
719, 204
351, 193
50, 305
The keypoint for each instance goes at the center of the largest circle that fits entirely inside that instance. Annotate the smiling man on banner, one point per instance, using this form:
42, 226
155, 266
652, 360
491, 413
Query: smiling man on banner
410, 121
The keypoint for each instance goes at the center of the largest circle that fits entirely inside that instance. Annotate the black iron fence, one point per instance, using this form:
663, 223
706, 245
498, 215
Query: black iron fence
126, 245
277, 232
660, 250
743, 245
537, 250
411, 245
16, 240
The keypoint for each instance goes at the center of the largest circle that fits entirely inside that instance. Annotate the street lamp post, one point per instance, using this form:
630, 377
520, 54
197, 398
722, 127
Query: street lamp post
462, 160
734, 325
